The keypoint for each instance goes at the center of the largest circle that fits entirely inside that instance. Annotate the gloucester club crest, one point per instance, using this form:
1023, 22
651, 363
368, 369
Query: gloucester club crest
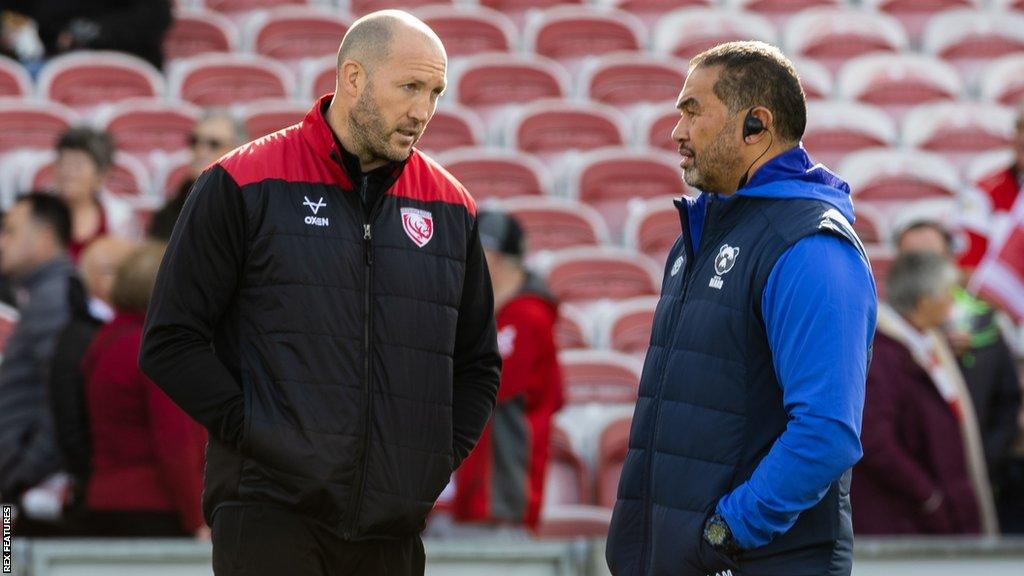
418, 225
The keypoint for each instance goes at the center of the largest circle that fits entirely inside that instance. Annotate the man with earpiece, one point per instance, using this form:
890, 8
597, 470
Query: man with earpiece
749, 413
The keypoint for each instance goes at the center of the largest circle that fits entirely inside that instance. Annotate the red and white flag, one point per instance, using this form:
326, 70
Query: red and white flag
1000, 276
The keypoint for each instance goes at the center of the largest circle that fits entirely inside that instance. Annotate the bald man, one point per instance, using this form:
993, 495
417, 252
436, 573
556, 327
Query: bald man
324, 309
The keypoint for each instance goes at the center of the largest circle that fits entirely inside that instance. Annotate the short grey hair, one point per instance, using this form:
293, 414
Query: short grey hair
917, 275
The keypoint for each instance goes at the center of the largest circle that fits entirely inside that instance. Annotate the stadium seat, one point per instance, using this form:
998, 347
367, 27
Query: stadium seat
612, 447
815, 79
84, 80
550, 128
780, 10
652, 227
497, 174
562, 522
835, 129
960, 131
896, 82
626, 79
360, 7
588, 274
1007, 5
987, 164
881, 258
599, 376
170, 172
567, 479
264, 117
293, 33
195, 32
688, 31
32, 124
572, 329
1003, 80
970, 38
318, 77
14, 79
834, 35
884, 175
228, 79
610, 178
871, 225
488, 82
242, 7
452, 126
519, 7
556, 223
570, 33
625, 326
656, 122
143, 126
914, 14
650, 11
127, 177
469, 30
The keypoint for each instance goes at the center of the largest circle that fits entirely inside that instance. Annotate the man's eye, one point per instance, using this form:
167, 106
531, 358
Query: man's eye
411, 87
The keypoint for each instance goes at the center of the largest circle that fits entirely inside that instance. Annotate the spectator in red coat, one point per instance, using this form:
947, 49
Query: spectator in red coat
1001, 191
147, 455
501, 483
923, 470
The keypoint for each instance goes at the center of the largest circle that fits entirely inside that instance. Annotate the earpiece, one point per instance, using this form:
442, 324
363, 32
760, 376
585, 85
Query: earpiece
752, 125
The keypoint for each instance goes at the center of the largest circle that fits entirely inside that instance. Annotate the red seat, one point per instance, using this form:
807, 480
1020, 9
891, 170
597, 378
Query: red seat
625, 79
1003, 80
556, 223
686, 32
549, 128
779, 10
588, 274
14, 79
361, 7
888, 175
815, 79
896, 82
652, 227
613, 445
264, 117
171, 171
626, 325
610, 178
657, 121
143, 126
870, 225
563, 522
881, 258
960, 131
496, 174
1008, 5
914, 14
452, 127
319, 76
835, 129
567, 478
235, 7
521, 6
599, 376
650, 11
228, 79
969, 38
84, 80
494, 80
195, 32
469, 30
32, 124
127, 177
572, 328
294, 33
833, 36
570, 33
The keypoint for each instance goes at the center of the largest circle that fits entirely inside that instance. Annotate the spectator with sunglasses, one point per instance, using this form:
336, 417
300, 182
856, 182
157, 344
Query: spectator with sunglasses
216, 134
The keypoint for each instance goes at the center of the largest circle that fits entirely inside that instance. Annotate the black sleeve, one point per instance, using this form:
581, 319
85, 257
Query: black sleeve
196, 284
477, 362
1005, 406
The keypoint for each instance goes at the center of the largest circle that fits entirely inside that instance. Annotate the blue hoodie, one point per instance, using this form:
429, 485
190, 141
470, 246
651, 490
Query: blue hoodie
820, 354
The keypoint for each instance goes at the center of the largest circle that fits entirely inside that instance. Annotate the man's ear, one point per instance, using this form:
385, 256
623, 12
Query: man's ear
351, 78
767, 119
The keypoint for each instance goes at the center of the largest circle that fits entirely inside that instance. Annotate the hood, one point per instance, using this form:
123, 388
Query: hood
792, 174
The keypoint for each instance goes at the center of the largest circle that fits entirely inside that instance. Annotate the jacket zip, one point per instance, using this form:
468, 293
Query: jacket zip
356, 501
691, 267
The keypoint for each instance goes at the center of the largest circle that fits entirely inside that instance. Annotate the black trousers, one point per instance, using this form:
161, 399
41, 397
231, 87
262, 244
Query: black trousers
255, 540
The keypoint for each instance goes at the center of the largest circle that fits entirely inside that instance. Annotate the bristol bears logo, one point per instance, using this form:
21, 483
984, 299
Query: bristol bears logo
418, 225
724, 262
